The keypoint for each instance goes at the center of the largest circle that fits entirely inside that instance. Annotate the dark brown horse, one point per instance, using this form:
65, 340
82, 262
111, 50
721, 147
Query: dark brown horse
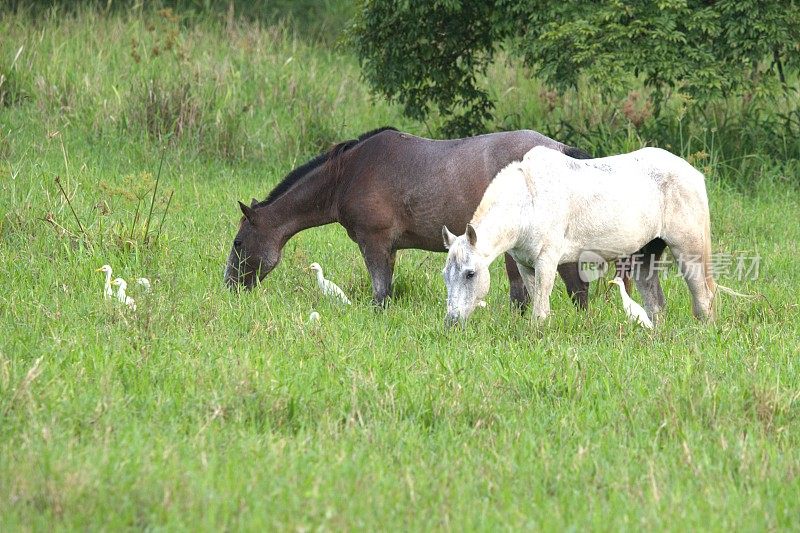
390, 190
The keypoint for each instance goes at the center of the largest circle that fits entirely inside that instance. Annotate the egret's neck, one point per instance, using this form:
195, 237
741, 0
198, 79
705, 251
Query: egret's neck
498, 219
624, 294
108, 291
320, 276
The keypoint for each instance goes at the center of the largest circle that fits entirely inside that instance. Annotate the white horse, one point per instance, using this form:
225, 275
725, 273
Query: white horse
549, 209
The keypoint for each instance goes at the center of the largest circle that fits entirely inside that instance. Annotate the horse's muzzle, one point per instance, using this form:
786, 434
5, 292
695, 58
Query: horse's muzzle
452, 319
235, 280
232, 283
241, 284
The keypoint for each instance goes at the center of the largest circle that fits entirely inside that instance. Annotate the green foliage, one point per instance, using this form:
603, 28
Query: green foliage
418, 53
425, 54
705, 50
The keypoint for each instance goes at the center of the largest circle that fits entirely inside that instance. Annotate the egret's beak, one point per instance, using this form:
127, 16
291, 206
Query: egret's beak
98, 269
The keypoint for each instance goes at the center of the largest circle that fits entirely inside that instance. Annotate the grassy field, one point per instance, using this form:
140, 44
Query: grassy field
206, 409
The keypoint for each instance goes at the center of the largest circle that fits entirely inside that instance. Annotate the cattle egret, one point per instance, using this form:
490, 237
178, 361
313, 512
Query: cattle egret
108, 292
328, 287
145, 283
122, 285
634, 311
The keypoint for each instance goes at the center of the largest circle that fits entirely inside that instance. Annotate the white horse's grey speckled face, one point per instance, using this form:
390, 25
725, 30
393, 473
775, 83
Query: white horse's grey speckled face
466, 275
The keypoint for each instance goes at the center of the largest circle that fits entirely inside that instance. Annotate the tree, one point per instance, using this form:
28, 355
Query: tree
434, 54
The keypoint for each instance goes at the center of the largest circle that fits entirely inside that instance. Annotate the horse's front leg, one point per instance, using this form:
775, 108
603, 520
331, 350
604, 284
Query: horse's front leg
517, 292
379, 259
539, 282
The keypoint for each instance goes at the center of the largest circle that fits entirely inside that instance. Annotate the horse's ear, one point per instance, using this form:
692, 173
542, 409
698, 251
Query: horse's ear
447, 237
253, 203
472, 237
248, 213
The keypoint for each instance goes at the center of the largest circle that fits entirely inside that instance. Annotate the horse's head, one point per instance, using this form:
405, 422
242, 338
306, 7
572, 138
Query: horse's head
256, 249
466, 275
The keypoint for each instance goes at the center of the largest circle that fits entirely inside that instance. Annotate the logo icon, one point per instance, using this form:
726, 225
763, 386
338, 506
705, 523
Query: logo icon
591, 266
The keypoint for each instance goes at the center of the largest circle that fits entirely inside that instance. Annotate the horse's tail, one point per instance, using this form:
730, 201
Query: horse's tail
728, 290
707, 270
709, 274
712, 285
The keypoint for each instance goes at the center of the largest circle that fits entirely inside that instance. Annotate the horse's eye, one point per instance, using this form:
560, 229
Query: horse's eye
237, 243
470, 274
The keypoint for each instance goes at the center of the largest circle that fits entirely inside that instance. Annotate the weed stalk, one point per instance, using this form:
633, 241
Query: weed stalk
153, 199
69, 203
163, 217
135, 218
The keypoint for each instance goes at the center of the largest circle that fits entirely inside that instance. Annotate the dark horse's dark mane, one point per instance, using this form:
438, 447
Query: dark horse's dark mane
329, 156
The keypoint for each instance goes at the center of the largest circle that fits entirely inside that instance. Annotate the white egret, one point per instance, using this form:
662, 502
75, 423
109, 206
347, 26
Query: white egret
108, 292
145, 283
635, 312
328, 287
122, 286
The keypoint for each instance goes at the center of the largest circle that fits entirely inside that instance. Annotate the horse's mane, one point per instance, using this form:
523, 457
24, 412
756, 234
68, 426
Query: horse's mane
326, 157
494, 191
576, 153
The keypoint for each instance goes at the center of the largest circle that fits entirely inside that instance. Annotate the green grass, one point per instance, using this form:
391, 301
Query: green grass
207, 409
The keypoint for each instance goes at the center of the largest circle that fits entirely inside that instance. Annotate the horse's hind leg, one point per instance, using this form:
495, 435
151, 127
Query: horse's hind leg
577, 288
693, 269
644, 269
517, 292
